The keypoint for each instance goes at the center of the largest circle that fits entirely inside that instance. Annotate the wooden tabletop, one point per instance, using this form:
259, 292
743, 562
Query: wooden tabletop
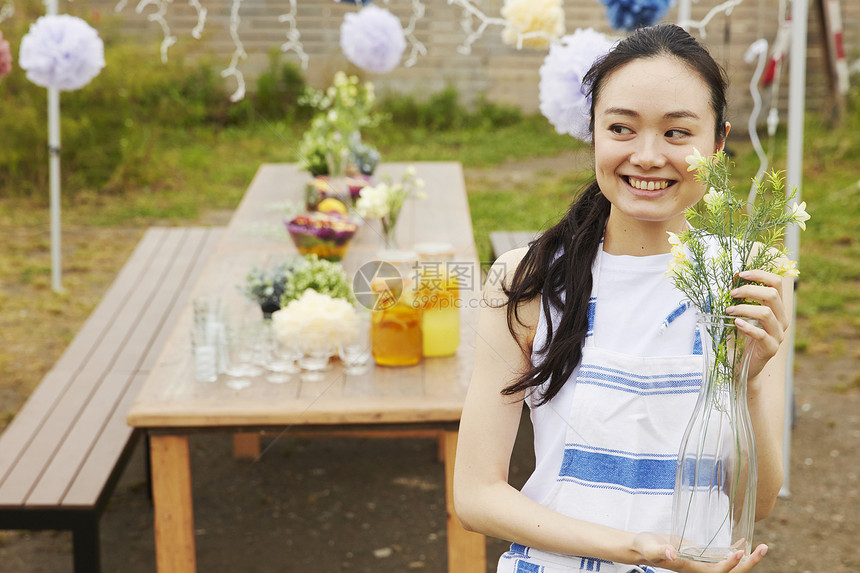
431, 392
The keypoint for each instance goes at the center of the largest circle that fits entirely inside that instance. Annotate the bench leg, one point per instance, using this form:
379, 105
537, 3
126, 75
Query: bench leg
467, 551
174, 511
85, 543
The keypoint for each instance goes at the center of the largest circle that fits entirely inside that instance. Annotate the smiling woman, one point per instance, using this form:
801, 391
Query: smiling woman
598, 343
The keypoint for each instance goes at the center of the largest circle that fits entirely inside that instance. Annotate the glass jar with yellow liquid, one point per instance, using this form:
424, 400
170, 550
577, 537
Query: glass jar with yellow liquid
395, 324
438, 295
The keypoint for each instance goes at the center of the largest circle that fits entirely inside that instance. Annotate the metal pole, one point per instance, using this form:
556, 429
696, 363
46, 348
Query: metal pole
794, 178
684, 11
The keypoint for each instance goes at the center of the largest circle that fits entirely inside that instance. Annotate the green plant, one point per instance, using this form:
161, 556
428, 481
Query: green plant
279, 91
320, 275
267, 285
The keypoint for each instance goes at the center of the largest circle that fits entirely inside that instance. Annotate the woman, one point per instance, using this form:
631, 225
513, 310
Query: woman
598, 278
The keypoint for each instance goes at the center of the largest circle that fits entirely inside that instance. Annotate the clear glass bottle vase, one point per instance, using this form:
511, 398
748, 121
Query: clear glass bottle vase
713, 510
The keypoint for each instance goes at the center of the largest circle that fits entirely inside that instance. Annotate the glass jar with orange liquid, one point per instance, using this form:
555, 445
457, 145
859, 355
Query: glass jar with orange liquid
395, 324
438, 295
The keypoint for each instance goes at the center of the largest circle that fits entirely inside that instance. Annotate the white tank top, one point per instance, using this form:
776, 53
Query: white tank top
641, 314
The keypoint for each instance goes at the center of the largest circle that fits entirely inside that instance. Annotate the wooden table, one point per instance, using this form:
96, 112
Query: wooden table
422, 401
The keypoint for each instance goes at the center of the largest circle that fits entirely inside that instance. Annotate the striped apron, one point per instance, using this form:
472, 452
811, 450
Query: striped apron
625, 425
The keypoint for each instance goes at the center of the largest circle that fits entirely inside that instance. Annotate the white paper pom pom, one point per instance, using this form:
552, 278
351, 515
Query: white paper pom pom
61, 52
373, 39
562, 98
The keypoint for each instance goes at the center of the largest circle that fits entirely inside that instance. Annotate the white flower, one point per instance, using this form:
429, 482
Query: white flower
696, 160
61, 52
713, 199
533, 22
563, 99
374, 201
679, 254
316, 321
799, 214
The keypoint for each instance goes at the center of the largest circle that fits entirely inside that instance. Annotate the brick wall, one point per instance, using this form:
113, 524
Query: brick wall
498, 72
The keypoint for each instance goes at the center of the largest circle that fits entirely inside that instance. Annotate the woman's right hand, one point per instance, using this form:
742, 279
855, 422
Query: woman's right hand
656, 550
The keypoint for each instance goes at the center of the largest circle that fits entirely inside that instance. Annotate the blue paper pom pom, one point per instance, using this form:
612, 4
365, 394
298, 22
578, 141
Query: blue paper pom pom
632, 14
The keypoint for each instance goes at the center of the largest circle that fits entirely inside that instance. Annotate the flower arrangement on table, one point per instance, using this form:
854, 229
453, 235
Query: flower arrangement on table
332, 144
266, 286
716, 473
276, 286
385, 200
316, 322
320, 275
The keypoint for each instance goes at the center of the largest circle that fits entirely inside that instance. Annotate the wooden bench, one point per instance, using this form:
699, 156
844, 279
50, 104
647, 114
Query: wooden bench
504, 241
62, 455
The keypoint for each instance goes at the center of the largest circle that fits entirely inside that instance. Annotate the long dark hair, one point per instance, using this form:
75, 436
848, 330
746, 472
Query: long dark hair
565, 282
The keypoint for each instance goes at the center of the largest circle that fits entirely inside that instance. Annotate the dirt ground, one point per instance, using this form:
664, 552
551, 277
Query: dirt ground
341, 505
363, 505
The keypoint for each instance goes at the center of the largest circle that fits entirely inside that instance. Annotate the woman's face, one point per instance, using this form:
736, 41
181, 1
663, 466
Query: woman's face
649, 116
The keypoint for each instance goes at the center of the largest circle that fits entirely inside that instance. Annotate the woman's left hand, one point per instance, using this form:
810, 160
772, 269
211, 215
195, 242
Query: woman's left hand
771, 314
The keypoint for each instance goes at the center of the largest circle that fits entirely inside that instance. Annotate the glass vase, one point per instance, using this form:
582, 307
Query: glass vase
713, 510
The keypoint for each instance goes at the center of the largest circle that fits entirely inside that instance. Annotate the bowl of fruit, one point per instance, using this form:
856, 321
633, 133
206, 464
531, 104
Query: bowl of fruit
324, 234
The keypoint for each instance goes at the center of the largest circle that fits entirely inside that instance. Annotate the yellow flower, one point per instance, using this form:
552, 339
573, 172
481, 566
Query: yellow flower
799, 214
535, 22
787, 268
696, 160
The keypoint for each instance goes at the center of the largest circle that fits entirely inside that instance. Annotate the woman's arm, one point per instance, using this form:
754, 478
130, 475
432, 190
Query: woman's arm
766, 386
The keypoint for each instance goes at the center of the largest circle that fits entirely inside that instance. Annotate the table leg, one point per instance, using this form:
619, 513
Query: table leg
246, 446
174, 512
467, 551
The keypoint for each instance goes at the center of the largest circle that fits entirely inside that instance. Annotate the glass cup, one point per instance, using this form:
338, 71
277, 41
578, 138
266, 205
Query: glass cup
355, 352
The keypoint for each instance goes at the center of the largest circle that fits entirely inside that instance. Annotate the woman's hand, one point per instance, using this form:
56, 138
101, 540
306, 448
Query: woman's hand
771, 314
656, 550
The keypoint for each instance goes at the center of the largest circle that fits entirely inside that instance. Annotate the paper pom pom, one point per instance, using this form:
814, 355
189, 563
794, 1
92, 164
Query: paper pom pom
5, 58
562, 99
61, 52
373, 39
544, 18
632, 14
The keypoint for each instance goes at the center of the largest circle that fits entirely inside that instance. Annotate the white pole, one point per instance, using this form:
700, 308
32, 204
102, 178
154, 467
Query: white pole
54, 171
794, 178
54, 150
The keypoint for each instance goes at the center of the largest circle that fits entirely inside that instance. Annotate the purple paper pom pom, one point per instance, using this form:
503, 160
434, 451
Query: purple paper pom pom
632, 14
372, 39
61, 52
562, 100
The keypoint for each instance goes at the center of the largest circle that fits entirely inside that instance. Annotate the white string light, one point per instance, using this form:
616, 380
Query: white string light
417, 46
158, 17
197, 32
702, 24
238, 54
294, 37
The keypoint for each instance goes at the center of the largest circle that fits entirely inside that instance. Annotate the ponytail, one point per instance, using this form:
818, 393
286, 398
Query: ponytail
557, 267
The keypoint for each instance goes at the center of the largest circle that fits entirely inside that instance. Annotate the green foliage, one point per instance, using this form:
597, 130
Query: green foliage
442, 111
279, 89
